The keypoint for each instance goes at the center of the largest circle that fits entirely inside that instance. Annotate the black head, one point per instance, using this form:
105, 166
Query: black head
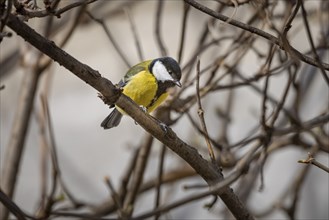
166, 69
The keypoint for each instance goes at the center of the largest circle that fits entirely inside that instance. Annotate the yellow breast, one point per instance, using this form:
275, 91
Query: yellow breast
141, 88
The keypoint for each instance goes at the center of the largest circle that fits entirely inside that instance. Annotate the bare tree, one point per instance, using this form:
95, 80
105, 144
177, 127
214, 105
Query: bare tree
215, 73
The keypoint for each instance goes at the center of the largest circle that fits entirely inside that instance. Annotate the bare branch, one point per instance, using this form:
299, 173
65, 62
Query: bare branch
201, 114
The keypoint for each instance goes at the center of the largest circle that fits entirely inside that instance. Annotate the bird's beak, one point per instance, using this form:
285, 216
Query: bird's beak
178, 83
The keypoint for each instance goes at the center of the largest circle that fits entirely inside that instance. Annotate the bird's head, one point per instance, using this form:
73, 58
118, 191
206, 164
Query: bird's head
166, 70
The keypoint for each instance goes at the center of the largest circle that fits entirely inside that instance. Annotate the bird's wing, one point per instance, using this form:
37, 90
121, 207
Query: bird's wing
143, 66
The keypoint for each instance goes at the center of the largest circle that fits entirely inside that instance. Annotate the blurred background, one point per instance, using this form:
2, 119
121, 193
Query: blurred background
87, 154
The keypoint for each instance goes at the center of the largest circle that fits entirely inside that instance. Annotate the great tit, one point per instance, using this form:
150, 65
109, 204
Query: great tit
146, 84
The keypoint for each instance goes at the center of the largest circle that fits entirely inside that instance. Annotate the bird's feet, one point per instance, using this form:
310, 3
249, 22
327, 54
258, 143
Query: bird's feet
163, 126
144, 109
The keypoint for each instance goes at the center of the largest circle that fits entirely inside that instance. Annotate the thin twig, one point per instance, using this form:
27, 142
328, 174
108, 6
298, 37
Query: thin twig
158, 26
201, 131
226, 116
313, 161
114, 195
11, 206
303, 126
56, 172
160, 177
135, 35
265, 89
201, 114
41, 118
284, 97
51, 11
15, 147
111, 38
4, 16
310, 38
143, 154
184, 26
266, 128
108, 206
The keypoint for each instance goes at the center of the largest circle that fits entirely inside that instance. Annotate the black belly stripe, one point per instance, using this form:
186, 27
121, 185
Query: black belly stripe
162, 88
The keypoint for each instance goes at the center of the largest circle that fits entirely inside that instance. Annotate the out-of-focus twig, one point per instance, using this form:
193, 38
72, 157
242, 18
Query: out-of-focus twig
313, 161
11, 165
111, 38
160, 177
4, 12
114, 196
31, 13
310, 38
135, 35
108, 206
143, 154
11, 206
184, 26
158, 26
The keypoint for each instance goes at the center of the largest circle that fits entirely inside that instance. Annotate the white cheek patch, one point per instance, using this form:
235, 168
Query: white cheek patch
160, 72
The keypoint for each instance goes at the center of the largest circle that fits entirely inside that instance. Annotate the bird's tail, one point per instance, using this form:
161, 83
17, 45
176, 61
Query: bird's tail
112, 120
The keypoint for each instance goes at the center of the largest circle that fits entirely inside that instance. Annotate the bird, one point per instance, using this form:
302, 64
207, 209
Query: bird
146, 84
